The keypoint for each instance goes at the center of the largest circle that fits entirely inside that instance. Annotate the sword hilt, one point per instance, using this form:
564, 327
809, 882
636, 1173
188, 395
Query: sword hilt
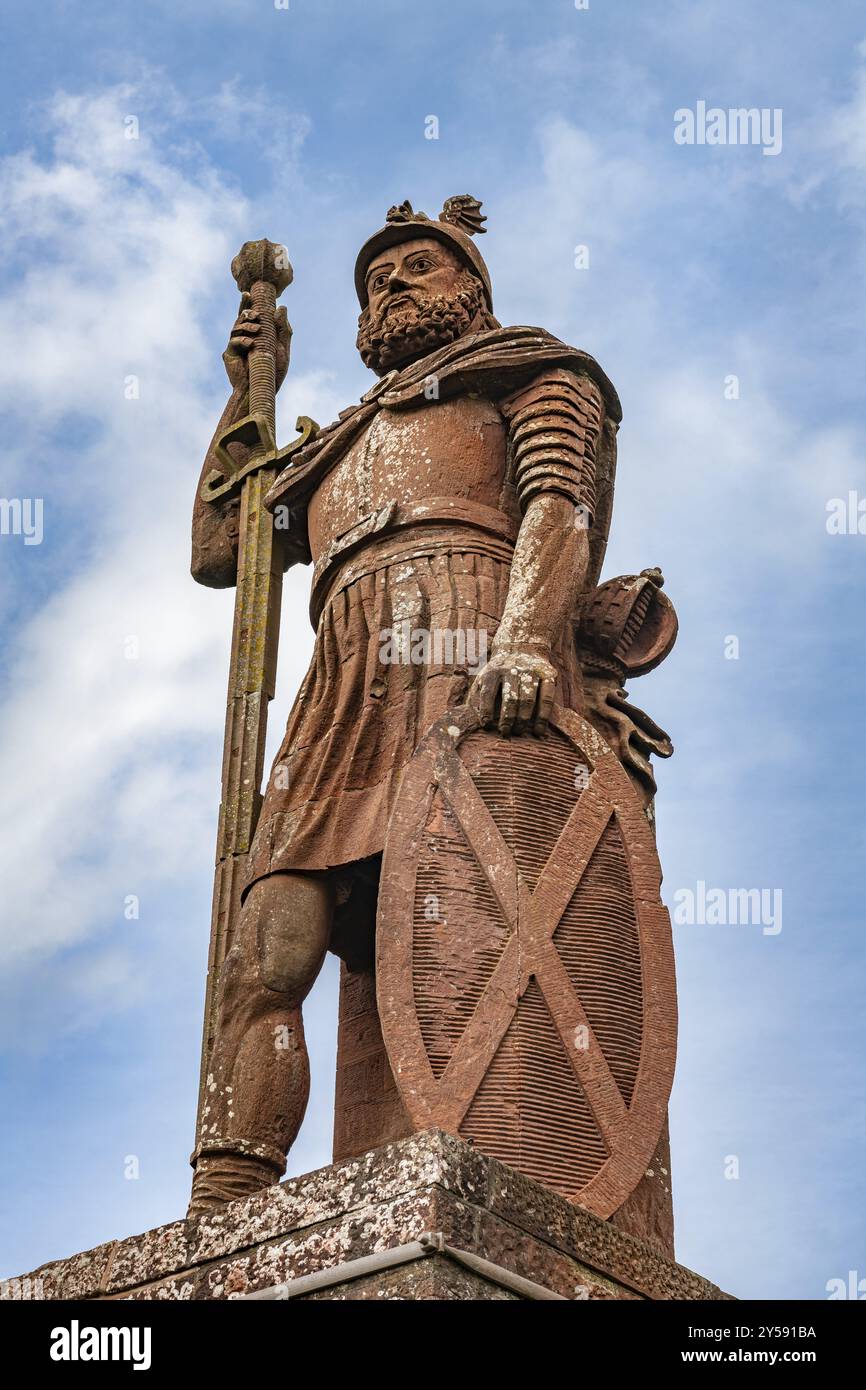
262, 269
254, 432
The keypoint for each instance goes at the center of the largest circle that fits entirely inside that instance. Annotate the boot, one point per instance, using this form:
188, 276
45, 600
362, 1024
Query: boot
226, 1177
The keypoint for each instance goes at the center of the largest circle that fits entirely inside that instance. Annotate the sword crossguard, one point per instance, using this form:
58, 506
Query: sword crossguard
253, 431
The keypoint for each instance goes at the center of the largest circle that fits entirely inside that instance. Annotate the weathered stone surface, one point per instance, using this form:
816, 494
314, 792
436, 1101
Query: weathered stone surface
434, 1278
368, 1111
534, 1012
385, 1199
456, 519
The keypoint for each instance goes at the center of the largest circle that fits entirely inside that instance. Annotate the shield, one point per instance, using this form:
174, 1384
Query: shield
525, 973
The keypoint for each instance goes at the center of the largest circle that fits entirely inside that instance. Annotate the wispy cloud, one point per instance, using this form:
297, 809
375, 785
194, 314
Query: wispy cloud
703, 265
115, 687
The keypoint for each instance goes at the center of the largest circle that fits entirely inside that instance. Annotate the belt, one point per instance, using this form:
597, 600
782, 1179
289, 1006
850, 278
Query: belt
456, 513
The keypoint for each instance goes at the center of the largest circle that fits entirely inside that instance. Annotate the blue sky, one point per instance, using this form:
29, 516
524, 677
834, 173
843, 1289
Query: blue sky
705, 262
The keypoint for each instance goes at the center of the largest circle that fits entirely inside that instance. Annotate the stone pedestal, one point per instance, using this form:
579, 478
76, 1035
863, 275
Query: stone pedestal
427, 1217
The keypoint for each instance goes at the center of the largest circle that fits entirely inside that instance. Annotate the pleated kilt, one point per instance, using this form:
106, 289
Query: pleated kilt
373, 689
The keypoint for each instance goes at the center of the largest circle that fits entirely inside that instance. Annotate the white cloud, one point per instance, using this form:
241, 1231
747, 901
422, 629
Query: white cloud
111, 765
846, 129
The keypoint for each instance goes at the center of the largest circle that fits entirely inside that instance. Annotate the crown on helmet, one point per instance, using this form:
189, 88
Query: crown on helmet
459, 221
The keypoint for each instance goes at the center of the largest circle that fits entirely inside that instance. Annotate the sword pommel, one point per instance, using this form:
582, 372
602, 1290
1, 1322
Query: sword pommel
262, 260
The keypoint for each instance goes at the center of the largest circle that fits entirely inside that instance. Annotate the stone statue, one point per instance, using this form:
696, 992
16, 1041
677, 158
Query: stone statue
456, 520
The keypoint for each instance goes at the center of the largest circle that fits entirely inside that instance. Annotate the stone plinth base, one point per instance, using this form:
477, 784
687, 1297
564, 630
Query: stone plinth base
427, 1217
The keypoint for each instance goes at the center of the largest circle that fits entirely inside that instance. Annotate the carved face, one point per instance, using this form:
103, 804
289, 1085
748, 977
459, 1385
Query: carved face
424, 267
421, 297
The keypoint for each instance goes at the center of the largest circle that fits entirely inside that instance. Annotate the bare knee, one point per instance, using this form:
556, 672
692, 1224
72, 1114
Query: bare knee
292, 926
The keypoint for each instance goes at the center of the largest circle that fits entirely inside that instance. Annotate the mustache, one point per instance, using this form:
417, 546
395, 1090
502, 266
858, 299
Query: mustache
400, 301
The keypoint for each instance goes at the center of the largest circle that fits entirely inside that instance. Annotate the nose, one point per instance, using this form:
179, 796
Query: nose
397, 281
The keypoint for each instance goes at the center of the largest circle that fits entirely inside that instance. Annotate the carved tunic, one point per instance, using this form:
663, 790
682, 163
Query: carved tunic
412, 532
454, 449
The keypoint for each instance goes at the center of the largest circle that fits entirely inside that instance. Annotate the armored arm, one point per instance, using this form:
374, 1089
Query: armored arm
554, 424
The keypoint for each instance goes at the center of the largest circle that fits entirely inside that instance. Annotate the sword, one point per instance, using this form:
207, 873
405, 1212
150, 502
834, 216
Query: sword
262, 269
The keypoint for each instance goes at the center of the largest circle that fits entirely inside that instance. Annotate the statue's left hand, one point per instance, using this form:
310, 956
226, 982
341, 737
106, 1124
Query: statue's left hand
515, 691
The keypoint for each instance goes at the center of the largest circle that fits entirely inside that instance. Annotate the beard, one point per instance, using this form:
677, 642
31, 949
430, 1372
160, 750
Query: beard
420, 324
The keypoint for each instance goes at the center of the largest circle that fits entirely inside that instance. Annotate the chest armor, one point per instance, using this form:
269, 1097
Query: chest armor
456, 449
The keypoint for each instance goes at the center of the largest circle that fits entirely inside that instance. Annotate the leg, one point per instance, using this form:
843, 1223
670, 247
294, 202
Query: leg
259, 1077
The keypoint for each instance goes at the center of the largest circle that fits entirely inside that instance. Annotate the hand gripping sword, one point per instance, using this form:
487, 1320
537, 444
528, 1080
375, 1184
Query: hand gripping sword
262, 269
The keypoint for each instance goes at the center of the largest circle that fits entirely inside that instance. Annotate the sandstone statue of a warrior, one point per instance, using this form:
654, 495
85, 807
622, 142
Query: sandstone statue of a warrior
463, 715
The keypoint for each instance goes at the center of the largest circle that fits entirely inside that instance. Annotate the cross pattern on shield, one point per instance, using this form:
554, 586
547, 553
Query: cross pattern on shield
525, 973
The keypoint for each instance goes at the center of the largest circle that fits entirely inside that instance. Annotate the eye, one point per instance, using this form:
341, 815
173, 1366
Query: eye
422, 263
380, 280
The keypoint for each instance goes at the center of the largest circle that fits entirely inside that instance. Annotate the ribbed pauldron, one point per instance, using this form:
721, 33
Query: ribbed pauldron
554, 426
